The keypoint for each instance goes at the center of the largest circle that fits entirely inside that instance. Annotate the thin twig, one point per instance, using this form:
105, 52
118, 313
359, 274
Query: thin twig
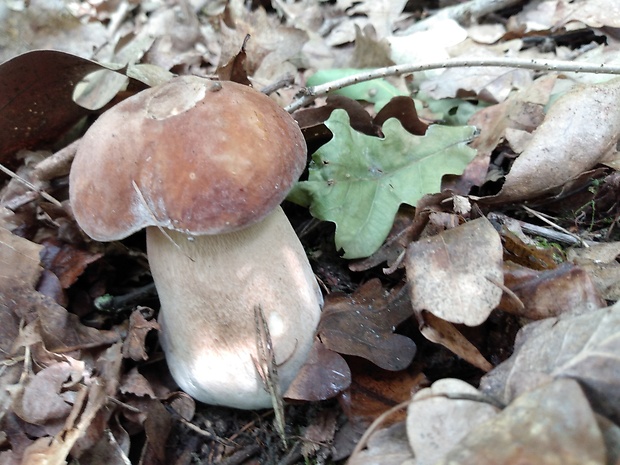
30, 186
375, 425
541, 231
311, 93
555, 226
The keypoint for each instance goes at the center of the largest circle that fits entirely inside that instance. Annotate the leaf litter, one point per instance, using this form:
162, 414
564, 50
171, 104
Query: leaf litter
80, 384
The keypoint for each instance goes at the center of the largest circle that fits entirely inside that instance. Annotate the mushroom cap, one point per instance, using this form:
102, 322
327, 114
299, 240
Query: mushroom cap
192, 155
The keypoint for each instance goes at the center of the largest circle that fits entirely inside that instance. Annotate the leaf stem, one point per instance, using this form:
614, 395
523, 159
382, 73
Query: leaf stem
309, 94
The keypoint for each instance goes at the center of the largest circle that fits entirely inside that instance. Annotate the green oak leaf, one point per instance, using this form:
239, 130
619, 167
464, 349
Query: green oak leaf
358, 181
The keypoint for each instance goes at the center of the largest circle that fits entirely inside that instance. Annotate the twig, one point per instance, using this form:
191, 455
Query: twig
30, 186
555, 226
311, 93
375, 425
541, 231
109, 302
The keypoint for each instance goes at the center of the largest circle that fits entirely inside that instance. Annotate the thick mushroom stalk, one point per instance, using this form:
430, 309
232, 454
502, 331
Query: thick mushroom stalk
203, 166
209, 331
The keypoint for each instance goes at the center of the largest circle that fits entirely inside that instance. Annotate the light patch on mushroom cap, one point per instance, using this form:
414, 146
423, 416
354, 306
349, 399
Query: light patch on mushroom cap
166, 157
179, 96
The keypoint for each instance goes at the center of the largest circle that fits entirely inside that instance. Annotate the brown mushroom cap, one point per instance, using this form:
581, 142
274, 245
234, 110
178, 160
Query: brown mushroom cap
192, 155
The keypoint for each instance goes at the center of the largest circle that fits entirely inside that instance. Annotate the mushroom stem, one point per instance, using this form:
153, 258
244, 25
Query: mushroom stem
208, 321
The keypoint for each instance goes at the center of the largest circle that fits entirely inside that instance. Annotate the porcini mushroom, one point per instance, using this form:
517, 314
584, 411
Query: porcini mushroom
203, 166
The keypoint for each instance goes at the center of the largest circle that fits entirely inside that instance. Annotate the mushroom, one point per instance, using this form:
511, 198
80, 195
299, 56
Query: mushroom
203, 166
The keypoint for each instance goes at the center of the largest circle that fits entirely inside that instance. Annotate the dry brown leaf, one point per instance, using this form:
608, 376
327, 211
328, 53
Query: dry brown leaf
437, 419
523, 110
66, 261
454, 275
34, 84
324, 375
583, 347
443, 332
53, 451
549, 293
577, 133
373, 391
139, 328
552, 425
45, 24
362, 324
271, 46
157, 426
134, 383
319, 433
43, 399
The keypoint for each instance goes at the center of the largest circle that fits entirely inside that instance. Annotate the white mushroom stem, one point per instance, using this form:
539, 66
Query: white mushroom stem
209, 287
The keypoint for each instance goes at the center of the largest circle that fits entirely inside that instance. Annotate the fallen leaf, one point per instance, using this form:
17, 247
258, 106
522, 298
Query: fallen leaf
553, 424
570, 140
324, 375
374, 391
456, 274
66, 261
319, 432
522, 110
139, 328
358, 181
44, 24
583, 347
362, 324
600, 262
234, 70
36, 91
548, 293
443, 332
272, 45
440, 416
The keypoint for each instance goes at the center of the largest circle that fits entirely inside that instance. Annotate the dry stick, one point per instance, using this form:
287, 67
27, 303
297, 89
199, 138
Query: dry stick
375, 426
553, 225
311, 93
30, 186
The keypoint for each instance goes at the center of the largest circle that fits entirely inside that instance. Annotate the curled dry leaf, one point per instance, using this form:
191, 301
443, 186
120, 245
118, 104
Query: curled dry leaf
577, 133
455, 274
139, 327
445, 333
551, 425
583, 347
362, 324
437, 419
